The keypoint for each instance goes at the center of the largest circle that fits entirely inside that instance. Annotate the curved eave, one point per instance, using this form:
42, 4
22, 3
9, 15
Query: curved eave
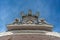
47, 25
30, 27
5, 34
54, 34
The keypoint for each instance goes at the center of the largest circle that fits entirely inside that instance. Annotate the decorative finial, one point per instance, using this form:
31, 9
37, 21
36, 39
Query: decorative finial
30, 12
43, 21
16, 21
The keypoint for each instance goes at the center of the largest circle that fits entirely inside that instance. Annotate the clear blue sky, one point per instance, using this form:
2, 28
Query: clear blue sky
49, 9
